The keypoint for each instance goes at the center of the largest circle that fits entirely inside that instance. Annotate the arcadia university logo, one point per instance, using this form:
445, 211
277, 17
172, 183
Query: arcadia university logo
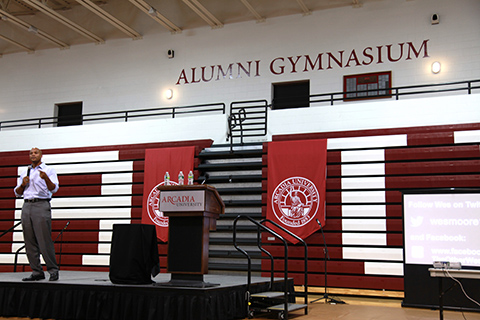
295, 201
153, 205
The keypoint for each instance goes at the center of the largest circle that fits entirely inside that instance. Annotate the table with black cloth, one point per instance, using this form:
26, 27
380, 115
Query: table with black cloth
134, 254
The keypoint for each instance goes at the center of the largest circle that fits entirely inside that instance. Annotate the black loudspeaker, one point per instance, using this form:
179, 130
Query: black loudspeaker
134, 254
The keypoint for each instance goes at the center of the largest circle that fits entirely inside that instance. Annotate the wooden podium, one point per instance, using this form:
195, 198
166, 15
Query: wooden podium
193, 211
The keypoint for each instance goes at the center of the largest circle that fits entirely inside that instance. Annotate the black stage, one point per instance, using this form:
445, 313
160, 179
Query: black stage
91, 295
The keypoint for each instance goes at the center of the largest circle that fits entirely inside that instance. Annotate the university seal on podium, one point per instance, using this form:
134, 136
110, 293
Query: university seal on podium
153, 205
295, 201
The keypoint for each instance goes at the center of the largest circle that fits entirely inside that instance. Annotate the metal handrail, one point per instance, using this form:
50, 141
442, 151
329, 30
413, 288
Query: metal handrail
305, 294
396, 92
250, 117
54, 241
16, 258
116, 115
17, 252
11, 229
236, 118
245, 253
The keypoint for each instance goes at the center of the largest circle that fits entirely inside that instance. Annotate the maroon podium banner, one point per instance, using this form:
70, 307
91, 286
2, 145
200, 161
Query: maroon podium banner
296, 186
157, 163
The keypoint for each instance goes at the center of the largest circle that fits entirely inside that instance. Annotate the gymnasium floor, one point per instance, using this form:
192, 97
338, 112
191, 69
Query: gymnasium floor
370, 309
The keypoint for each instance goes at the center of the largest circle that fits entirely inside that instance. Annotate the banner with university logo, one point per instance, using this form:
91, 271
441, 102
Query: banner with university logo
157, 162
296, 185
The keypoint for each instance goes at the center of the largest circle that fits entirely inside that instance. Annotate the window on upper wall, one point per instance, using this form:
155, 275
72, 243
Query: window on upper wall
69, 114
291, 95
367, 86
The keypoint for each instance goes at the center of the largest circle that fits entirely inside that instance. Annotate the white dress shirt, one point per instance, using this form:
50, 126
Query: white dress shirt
37, 187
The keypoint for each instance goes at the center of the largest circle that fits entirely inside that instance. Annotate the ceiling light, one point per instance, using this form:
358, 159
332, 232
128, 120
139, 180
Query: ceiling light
155, 15
152, 11
32, 29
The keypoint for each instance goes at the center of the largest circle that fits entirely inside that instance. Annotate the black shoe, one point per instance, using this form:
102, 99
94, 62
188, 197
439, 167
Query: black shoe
53, 277
34, 277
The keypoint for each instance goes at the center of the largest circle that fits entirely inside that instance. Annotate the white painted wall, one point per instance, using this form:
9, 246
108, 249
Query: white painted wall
126, 74
377, 114
119, 133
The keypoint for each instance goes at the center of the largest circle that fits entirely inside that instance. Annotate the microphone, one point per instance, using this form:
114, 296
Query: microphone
66, 225
28, 175
61, 243
61, 231
319, 223
206, 177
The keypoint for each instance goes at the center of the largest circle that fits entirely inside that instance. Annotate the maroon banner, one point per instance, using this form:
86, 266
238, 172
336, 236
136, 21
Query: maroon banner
157, 162
296, 185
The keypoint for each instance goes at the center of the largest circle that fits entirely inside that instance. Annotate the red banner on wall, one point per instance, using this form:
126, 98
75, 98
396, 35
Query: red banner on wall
157, 162
296, 185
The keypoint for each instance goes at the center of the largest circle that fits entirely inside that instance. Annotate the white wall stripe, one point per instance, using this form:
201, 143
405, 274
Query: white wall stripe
104, 248
88, 167
364, 225
116, 189
82, 213
364, 169
392, 254
363, 155
92, 260
363, 183
108, 224
9, 258
366, 239
466, 136
117, 178
105, 236
376, 210
94, 167
384, 268
367, 142
18, 234
81, 157
74, 202
16, 246
363, 196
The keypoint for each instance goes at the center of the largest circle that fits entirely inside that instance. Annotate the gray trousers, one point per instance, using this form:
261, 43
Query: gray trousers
37, 234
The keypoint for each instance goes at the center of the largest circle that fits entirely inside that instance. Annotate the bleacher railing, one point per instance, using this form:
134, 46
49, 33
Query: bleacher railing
127, 115
249, 118
396, 92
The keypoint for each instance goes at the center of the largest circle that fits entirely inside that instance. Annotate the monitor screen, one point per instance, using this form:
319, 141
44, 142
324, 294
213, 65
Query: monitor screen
442, 227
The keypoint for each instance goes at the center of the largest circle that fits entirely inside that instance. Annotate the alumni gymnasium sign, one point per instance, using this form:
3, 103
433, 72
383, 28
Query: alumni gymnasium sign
389, 53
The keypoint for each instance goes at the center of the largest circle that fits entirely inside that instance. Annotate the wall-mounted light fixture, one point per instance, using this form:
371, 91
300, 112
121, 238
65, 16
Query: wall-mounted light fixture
169, 94
436, 67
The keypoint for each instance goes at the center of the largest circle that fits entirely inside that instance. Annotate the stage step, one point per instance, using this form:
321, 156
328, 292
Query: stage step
237, 176
268, 295
272, 301
280, 308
